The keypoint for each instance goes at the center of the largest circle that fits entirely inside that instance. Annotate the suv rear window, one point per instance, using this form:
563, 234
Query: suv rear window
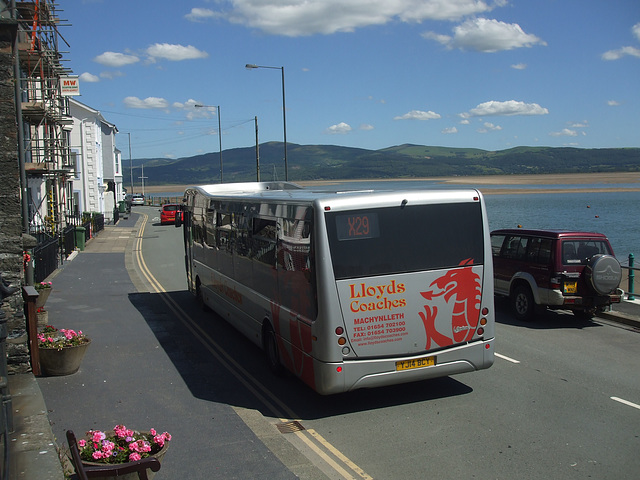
398, 240
577, 252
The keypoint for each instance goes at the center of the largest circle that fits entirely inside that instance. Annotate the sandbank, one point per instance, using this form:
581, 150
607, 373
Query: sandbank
593, 182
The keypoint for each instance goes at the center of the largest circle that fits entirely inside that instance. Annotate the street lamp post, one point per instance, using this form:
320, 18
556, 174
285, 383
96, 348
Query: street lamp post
219, 133
130, 162
250, 66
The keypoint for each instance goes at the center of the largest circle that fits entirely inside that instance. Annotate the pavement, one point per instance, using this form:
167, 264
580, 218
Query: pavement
100, 284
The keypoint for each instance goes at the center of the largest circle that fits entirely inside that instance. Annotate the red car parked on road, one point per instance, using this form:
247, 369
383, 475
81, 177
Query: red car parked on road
168, 213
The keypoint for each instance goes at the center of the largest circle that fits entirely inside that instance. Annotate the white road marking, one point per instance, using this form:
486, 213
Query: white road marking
504, 357
626, 402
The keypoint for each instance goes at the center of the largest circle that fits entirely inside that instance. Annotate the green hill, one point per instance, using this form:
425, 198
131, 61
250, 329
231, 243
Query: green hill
330, 162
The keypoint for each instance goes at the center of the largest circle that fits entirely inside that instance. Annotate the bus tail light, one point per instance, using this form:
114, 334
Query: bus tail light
339, 330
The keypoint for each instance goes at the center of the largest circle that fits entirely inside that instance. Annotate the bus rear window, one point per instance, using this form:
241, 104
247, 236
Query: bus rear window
394, 240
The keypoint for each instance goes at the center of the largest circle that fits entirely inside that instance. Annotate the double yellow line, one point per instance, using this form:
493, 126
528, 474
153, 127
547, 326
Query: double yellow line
333, 457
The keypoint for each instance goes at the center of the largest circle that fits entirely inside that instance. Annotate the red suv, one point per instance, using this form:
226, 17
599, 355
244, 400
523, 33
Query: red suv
556, 269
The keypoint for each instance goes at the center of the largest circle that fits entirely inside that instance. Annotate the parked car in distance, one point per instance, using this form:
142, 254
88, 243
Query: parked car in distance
555, 269
168, 213
137, 199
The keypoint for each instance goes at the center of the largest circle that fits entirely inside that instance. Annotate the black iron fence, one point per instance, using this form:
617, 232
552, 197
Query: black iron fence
50, 252
45, 256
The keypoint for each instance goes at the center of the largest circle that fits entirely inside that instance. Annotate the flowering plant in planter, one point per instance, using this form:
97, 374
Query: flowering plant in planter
43, 286
121, 446
51, 337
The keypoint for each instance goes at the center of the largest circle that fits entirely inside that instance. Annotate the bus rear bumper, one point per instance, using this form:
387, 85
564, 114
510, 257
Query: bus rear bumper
382, 372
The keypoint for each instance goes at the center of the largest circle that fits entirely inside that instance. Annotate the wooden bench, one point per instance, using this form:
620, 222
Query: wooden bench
84, 472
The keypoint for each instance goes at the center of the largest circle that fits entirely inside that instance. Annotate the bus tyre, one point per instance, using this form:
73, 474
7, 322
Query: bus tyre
270, 345
200, 299
522, 303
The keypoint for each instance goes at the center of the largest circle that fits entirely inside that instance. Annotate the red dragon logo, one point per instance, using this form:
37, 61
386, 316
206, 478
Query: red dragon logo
464, 284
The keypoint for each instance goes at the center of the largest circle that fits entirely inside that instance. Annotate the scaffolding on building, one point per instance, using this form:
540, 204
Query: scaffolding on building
45, 116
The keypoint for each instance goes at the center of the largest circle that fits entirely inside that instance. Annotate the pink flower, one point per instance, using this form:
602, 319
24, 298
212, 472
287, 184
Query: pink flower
82, 443
153, 432
134, 457
97, 455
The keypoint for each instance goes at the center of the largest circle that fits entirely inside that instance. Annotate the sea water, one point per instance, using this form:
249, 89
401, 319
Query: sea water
616, 214
613, 213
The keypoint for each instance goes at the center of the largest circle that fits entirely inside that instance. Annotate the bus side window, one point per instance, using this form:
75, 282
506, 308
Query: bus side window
223, 230
263, 244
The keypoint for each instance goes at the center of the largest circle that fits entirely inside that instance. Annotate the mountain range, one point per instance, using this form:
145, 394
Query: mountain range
331, 162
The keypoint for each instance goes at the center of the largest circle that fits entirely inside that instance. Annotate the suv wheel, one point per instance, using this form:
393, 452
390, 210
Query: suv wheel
522, 302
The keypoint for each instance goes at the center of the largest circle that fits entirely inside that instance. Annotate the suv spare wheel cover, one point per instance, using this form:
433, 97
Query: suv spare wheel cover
604, 273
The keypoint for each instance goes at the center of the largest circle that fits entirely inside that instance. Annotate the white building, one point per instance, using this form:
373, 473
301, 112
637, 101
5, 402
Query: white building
97, 186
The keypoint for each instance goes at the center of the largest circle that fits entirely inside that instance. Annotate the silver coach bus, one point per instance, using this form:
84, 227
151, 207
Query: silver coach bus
347, 289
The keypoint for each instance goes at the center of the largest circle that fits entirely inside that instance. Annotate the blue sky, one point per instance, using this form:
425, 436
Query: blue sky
359, 73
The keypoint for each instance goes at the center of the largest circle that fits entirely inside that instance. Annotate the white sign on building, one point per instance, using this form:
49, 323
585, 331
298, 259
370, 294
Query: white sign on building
69, 86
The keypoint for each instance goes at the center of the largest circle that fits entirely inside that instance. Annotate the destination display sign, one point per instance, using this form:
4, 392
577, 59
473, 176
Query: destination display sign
357, 226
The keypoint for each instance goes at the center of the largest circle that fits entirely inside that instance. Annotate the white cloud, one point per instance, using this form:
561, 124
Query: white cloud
621, 52
508, 108
418, 115
448, 131
114, 59
366, 126
308, 17
624, 51
484, 35
490, 127
565, 132
111, 74
583, 124
339, 129
519, 66
147, 103
201, 15
613, 103
175, 52
89, 77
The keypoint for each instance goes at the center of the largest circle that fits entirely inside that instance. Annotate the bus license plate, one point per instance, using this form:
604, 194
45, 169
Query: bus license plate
415, 363
570, 287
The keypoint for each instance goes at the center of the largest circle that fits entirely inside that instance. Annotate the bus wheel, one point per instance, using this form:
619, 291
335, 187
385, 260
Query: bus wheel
200, 299
522, 303
270, 345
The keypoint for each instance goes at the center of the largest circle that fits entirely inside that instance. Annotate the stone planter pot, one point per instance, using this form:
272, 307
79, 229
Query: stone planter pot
43, 317
65, 361
134, 476
43, 295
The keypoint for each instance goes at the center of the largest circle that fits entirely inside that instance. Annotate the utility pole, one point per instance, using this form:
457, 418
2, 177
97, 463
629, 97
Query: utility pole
142, 178
257, 152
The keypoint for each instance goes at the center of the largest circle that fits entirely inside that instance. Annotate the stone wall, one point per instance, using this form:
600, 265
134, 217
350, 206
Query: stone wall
11, 235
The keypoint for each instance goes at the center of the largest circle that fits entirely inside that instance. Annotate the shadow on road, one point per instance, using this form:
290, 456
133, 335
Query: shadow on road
216, 362
542, 319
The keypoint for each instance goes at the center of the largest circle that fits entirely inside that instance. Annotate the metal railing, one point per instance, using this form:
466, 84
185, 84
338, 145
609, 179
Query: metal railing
159, 201
631, 277
68, 240
45, 255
